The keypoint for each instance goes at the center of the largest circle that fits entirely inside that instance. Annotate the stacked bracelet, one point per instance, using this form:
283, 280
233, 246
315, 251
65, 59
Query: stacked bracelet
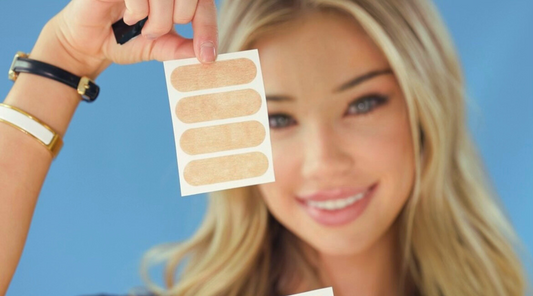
85, 86
32, 126
27, 123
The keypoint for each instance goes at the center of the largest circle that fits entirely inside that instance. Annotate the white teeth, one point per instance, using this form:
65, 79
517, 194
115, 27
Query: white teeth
337, 204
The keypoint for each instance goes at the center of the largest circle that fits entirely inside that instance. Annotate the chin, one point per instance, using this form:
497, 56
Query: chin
333, 243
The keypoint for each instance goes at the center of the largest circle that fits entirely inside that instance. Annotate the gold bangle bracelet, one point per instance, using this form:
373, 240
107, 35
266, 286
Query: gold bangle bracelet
32, 126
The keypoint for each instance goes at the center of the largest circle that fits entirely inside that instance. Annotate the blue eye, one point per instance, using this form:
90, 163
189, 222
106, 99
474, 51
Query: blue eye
366, 104
280, 121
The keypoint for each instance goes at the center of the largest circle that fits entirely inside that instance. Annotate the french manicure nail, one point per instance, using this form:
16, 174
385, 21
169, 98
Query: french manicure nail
207, 52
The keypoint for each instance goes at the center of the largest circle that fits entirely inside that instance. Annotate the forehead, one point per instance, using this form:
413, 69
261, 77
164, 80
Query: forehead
322, 48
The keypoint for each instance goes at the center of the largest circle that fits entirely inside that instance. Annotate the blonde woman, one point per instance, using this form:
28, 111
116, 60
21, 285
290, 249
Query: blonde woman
379, 189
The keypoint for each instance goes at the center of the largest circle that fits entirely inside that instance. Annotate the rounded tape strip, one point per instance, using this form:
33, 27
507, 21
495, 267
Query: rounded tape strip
225, 168
222, 137
220, 74
218, 106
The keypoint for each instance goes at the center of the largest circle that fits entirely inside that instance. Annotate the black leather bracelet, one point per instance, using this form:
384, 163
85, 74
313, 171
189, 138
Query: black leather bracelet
85, 86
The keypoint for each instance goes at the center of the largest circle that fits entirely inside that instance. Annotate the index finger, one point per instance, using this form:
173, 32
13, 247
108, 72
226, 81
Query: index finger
205, 31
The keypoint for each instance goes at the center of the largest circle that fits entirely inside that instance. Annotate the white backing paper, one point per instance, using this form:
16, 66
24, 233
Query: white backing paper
180, 127
320, 292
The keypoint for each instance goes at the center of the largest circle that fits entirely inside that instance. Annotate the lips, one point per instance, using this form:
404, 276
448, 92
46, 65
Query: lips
338, 206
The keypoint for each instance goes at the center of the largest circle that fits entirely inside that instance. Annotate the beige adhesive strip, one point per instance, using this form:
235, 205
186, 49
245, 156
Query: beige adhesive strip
218, 106
225, 168
219, 74
222, 137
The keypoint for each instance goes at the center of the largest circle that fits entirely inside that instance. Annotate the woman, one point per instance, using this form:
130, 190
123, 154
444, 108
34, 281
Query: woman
378, 191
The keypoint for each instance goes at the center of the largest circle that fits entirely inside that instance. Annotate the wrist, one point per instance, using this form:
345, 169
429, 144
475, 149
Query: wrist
50, 49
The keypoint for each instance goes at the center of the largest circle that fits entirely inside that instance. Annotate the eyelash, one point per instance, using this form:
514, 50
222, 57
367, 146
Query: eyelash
273, 120
360, 106
367, 104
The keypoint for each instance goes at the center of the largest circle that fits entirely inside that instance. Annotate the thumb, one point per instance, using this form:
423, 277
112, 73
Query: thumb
171, 46
167, 47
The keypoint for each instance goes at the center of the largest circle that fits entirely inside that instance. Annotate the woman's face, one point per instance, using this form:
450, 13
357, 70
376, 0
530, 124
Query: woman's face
341, 140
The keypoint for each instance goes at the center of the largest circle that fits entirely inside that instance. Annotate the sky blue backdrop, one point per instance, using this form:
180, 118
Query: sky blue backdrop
113, 191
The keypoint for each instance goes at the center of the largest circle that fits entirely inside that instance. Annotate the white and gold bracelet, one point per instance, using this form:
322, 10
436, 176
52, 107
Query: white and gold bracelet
32, 126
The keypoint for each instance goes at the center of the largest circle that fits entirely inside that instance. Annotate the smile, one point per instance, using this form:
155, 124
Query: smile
337, 204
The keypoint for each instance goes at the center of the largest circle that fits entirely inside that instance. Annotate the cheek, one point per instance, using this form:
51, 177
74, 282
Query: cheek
389, 151
287, 175
390, 156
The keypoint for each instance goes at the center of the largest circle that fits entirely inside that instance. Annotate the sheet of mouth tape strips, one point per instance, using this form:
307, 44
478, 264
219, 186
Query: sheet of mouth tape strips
220, 121
320, 292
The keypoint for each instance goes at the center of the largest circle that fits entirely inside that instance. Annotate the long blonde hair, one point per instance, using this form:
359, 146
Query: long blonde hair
455, 238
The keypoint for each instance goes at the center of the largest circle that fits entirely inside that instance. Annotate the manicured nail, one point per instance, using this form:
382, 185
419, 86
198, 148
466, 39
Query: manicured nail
207, 52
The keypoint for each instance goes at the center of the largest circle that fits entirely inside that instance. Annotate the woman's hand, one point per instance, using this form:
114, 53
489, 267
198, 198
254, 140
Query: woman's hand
80, 40
83, 30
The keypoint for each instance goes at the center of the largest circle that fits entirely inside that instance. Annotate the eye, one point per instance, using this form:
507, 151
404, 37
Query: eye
277, 121
366, 104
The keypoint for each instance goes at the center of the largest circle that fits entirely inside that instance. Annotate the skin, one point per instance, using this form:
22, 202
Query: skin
322, 141
82, 43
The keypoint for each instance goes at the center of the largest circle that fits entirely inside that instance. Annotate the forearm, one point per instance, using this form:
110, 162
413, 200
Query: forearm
24, 162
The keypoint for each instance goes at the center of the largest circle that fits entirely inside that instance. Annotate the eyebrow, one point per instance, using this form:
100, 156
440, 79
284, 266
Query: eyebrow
360, 79
278, 98
353, 82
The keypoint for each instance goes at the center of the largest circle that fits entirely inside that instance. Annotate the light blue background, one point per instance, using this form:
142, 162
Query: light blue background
113, 191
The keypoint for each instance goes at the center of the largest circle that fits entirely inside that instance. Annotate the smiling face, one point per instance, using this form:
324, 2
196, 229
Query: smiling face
342, 148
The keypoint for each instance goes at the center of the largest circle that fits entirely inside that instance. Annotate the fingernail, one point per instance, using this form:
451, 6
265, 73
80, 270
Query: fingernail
207, 52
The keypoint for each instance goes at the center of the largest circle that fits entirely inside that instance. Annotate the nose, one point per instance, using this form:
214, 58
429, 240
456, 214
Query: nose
326, 156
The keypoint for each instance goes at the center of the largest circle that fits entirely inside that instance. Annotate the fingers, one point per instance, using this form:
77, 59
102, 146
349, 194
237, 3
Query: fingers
163, 14
205, 29
171, 47
159, 18
167, 47
136, 10
184, 11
